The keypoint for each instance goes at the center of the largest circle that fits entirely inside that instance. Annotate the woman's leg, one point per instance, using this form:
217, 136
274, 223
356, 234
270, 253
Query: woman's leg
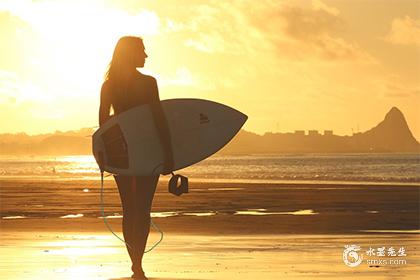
125, 189
136, 196
145, 190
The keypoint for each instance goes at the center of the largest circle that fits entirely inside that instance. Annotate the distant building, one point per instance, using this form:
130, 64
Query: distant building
300, 132
313, 132
328, 132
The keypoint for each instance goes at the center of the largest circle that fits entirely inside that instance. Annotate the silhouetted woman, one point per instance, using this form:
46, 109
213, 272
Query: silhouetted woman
124, 87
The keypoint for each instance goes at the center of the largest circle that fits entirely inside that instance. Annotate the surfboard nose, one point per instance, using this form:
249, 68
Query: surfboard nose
236, 116
242, 117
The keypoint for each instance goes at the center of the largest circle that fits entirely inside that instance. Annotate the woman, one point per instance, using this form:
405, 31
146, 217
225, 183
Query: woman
124, 87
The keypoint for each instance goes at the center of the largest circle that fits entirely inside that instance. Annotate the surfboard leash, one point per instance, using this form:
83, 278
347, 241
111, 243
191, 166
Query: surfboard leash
177, 185
110, 229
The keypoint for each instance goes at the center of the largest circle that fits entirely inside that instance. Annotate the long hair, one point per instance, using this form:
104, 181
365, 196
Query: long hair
122, 65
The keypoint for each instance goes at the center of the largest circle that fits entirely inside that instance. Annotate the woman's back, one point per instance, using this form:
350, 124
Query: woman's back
142, 89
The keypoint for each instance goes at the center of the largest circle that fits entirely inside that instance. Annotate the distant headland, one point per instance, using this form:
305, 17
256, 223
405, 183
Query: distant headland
392, 135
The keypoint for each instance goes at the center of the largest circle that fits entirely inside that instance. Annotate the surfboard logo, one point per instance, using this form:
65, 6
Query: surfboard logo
204, 118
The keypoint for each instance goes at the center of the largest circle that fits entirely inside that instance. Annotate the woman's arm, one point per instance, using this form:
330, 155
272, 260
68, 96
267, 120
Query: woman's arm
105, 105
162, 128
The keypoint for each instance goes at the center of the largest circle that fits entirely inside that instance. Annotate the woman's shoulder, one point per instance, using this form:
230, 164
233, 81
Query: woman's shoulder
106, 86
145, 78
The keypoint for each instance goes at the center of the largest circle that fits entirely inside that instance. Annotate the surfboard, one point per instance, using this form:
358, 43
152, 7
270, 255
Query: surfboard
129, 144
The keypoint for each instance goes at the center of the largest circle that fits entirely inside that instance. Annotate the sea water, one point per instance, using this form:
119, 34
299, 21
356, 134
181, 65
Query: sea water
327, 168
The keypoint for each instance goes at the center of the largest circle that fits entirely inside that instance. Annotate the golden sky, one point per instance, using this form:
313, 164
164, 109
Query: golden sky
288, 65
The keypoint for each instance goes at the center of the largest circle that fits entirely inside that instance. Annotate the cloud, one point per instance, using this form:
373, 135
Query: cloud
8, 87
404, 31
220, 28
182, 77
316, 32
400, 91
15, 91
309, 23
282, 28
70, 18
13, 36
394, 87
319, 5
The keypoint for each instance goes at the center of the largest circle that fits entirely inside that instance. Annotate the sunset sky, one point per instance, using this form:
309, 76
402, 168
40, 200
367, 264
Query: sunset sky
288, 65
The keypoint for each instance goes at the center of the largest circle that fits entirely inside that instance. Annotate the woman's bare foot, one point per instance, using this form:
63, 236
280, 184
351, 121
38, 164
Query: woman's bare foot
139, 276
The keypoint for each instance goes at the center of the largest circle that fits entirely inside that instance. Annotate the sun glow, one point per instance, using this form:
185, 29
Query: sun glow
76, 40
68, 45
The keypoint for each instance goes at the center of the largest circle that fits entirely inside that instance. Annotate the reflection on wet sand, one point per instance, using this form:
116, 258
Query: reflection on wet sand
70, 216
99, 256
14, 217
261, 212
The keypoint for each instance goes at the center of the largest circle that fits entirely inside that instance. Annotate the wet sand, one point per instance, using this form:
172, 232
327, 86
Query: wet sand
98, 255
217, 231
231, 207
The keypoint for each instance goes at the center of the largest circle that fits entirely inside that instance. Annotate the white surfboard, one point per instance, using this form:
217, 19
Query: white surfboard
130, 145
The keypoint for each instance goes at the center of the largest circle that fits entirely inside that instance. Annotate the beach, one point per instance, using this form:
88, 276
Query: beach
97, 255
296, 123
223, 230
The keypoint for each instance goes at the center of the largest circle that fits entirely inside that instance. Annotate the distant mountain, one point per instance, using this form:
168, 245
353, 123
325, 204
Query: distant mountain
392, 135
58, 143
65, 144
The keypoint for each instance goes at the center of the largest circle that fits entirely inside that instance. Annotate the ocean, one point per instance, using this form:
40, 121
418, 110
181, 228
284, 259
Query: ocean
290, 168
